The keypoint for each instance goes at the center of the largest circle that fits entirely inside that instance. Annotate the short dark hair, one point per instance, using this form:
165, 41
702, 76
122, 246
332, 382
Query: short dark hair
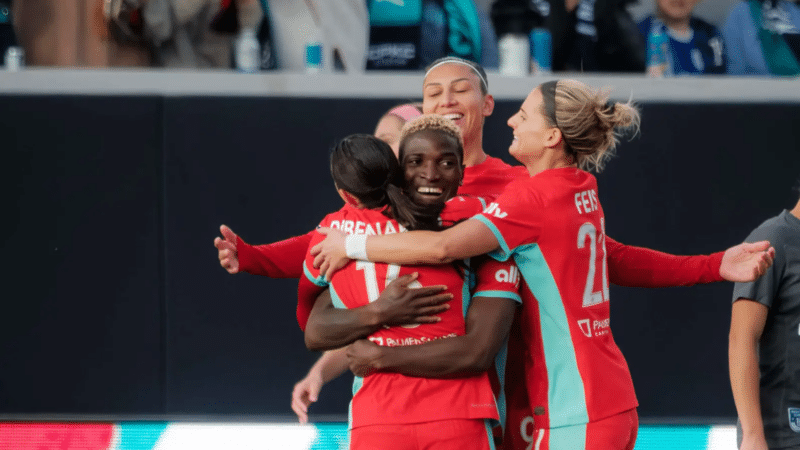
432, 123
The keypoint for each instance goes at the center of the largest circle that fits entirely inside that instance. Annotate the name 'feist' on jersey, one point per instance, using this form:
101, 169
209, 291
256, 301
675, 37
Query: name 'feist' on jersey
587, 200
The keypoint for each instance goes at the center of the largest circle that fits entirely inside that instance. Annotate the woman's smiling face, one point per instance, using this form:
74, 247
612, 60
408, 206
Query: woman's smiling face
432, 166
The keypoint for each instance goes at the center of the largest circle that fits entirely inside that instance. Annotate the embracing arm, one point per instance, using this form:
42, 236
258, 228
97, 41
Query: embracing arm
633, 266
747, 324
468, 238
487, 324
330, 327
282, 259
642, 267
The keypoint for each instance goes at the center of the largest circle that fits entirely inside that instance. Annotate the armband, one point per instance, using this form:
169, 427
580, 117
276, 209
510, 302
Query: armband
355, 245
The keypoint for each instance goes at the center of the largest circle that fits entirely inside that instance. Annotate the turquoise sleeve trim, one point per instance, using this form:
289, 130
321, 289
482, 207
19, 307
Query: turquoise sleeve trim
336, 300
499, 294
503, 253
319, 281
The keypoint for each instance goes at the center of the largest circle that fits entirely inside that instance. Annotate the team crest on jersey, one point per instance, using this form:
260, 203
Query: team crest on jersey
794, 419
494, 209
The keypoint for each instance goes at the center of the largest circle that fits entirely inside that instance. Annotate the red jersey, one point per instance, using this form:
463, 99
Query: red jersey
552, 224
390, 398
489, 178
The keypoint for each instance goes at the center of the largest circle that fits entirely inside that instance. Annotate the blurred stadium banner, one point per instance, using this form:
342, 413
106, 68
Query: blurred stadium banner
155, 435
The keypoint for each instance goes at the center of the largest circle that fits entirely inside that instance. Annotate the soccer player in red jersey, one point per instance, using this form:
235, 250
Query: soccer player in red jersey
389, 409
552, 225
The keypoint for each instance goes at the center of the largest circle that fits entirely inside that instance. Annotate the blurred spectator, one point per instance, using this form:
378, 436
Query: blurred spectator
763, 38
340, 26
589, 35
695, 46
410, 35
7, 36
69, 33
196, 33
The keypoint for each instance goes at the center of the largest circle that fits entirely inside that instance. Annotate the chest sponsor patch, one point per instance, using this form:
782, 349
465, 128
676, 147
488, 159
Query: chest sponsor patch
794, 419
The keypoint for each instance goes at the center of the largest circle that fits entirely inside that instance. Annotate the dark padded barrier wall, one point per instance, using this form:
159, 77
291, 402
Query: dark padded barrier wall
137, 188
82, 278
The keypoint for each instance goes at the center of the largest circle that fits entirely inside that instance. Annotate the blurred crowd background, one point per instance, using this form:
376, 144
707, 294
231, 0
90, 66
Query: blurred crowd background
516, 37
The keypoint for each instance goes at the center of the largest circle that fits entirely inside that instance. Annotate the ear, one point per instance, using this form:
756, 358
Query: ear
349, 198
553, 137
488, 105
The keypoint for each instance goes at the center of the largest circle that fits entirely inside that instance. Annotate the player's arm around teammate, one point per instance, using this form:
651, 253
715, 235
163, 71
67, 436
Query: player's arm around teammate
329, 327
489, 316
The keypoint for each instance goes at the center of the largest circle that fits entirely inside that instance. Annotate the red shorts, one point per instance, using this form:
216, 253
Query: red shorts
456, 434
612, 433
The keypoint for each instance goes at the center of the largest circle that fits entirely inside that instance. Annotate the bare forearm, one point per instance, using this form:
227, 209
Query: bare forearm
416, 247
438, 359
470, 238
334, 328
331, 364
744, 373
487, 325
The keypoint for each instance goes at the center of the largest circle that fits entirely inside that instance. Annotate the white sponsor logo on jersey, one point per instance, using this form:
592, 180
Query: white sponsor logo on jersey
508, 276
409, 340
601, 327
494, 210
595, 328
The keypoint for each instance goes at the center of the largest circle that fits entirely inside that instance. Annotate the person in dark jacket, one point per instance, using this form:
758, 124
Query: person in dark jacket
587, 35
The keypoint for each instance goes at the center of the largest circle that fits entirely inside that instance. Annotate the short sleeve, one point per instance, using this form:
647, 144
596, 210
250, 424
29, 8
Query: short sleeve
765, 288
311, 284
500, 279
514, 218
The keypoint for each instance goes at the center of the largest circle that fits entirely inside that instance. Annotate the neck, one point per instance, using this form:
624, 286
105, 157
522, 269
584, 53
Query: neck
473, 152
796, 211
556, 162
679, 25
